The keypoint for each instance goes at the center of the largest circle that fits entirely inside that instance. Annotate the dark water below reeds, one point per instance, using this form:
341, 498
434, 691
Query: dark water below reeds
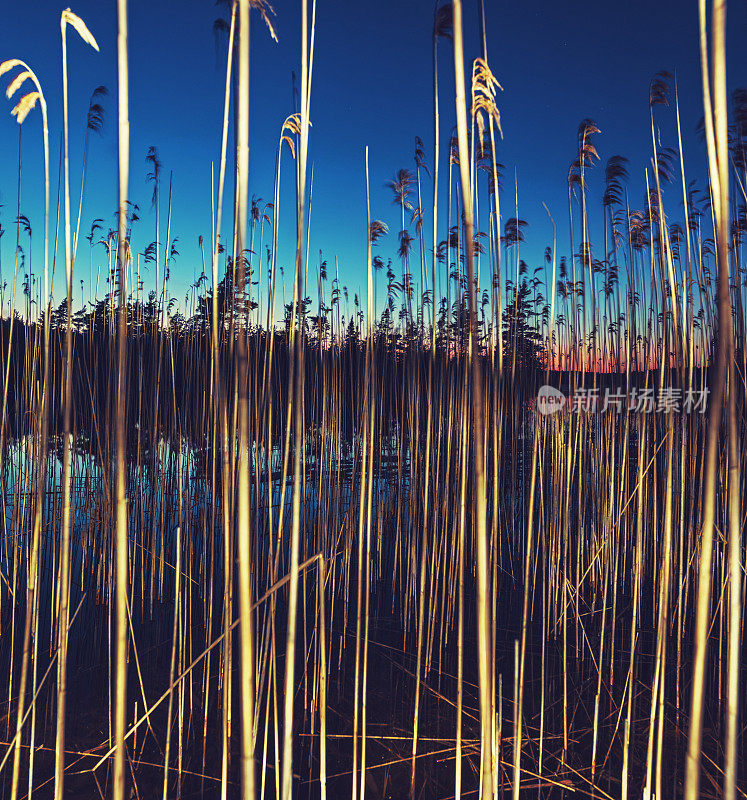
174, 486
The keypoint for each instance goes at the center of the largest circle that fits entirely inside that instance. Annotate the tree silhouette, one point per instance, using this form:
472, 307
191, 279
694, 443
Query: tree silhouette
520, 334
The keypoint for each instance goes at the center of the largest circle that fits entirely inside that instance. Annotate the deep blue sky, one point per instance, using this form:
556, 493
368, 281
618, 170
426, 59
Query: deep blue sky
557, 63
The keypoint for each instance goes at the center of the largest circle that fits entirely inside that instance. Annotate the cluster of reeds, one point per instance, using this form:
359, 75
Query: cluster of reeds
346, 552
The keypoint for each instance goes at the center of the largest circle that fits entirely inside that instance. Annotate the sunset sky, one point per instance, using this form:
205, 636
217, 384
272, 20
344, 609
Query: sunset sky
372, 85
